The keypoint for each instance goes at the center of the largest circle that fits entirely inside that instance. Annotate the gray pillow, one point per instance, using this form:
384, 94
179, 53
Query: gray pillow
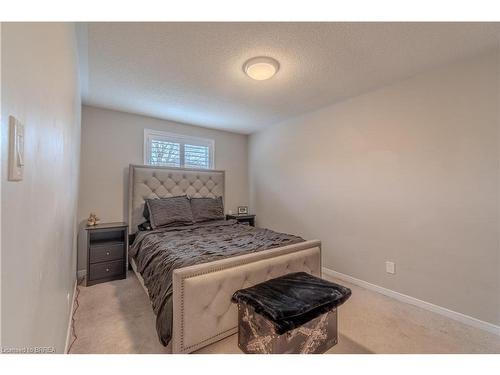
169, 211
205, 209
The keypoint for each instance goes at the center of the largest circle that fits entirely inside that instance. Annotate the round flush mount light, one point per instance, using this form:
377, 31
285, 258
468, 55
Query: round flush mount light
261, 68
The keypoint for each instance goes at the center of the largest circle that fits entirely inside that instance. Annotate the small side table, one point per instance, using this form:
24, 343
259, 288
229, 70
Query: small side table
106, 252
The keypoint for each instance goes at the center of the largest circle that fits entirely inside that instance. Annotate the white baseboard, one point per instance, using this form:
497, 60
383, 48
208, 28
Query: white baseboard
68, 332
469, 320
81, 274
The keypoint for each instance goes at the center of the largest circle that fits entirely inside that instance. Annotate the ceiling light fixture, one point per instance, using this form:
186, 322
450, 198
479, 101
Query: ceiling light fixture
261, 68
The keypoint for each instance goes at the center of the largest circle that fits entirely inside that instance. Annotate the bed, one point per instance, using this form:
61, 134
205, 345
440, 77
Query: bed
200, 293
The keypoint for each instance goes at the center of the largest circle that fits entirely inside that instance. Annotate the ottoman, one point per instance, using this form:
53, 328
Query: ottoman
294, 313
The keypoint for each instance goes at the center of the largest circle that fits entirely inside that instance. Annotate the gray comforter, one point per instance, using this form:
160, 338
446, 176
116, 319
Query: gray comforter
159, 252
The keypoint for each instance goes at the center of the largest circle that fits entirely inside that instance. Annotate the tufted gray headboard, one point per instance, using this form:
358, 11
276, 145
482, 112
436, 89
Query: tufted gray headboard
146, 181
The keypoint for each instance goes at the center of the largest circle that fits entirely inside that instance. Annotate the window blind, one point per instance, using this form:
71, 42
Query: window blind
175, 150
196, 156
165, 153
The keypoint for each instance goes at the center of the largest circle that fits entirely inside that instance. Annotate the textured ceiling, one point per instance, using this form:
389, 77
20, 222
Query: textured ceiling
192, 72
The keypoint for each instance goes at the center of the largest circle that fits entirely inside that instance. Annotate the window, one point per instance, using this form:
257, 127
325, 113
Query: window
175, 150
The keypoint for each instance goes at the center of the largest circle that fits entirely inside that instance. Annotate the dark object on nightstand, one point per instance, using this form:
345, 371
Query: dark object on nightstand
106, 252
243, 219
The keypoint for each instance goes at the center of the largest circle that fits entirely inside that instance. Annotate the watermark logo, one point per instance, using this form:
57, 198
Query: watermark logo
28, 350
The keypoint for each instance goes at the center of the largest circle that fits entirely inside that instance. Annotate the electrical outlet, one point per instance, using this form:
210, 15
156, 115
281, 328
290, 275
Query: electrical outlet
390, 267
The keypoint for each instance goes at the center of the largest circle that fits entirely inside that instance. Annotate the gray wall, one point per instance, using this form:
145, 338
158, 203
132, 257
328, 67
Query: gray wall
111, 140
407, 173
39, 87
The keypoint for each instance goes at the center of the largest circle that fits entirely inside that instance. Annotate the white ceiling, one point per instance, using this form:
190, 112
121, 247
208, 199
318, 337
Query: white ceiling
192, 72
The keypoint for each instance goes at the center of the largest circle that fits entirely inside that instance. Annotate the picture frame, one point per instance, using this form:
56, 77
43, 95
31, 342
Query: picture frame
242, 210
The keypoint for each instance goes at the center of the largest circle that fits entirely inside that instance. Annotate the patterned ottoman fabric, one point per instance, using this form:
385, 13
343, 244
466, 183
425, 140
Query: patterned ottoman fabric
295, 313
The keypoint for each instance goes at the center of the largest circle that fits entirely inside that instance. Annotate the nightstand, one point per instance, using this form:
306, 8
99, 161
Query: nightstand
106, 252
243, 219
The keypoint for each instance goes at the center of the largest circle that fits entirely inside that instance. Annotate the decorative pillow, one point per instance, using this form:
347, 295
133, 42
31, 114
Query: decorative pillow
167, 211
145, 211
205, 209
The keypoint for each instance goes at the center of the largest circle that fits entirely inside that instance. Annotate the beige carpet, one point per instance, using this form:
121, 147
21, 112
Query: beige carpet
116, 317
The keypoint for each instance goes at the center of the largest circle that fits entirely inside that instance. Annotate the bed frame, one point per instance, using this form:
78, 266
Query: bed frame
202, 309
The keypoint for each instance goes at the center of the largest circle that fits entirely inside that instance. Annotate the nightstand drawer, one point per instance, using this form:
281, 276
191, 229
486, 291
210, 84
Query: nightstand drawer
103, 253
106, 269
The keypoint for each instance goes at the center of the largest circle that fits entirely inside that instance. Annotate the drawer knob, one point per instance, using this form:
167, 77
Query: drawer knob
107, 252
107, 269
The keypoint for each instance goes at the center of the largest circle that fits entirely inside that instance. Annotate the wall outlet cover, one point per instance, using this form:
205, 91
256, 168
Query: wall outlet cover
390, 267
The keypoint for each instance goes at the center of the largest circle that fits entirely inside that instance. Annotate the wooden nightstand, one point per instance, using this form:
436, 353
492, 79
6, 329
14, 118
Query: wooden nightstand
106, 252
243, 219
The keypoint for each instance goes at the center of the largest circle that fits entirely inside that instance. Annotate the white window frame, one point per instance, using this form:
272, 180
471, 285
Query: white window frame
150, 134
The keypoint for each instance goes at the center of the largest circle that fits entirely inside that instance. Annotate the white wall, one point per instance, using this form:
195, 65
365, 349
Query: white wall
112, 140
407, 173
1, 147
40, 88
498, 227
